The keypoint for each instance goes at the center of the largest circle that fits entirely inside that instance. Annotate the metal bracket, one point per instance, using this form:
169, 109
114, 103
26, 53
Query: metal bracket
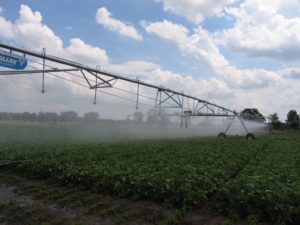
43, 75
105, 83
137, 94
165, 99
202, 107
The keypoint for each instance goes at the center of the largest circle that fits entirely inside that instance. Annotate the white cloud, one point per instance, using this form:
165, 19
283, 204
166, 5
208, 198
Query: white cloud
85, 53
210, 88
133, 68
202, 47
195, 10
6, 28
167, 30
1, 10
104, 17
29, 31
236, 87
287, 8
262, 29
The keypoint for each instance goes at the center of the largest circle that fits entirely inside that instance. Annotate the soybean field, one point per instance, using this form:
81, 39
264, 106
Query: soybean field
253, 181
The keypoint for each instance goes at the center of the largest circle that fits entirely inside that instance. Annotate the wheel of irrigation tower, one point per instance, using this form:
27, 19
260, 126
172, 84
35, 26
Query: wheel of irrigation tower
250, 136
221, 135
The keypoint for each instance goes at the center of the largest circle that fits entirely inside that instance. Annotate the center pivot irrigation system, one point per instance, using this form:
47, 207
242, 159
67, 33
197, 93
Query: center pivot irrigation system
16, 59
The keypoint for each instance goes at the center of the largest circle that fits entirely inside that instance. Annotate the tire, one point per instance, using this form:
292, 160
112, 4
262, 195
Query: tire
221, 135
250, 136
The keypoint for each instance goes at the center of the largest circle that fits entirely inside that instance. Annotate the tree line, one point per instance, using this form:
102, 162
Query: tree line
67, 116
153, 116
292, 118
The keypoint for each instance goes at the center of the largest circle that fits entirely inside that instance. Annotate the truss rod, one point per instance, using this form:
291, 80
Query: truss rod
12, 72
208, 115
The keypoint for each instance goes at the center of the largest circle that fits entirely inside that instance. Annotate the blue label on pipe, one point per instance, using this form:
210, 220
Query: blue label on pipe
12, 61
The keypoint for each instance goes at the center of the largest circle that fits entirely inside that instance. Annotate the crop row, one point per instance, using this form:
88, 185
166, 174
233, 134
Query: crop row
269, 186
177, 171
240, 176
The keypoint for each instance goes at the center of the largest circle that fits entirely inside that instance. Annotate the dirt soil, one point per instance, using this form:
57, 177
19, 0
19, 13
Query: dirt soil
26, 201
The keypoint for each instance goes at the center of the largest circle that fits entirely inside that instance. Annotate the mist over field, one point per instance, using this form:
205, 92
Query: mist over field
115, 131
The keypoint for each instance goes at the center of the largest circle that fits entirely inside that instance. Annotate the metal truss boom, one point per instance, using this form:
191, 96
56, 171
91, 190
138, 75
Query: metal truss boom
107, 83
165, 98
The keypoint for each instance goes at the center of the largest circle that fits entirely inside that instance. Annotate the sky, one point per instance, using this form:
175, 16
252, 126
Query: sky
236, 53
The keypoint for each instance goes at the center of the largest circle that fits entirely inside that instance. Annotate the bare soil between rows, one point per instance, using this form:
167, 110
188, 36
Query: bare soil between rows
26, 200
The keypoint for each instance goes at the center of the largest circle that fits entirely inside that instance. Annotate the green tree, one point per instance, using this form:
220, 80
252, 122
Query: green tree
69, 116
252, 114
275, 122
91, 117
293, 120
51, 117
